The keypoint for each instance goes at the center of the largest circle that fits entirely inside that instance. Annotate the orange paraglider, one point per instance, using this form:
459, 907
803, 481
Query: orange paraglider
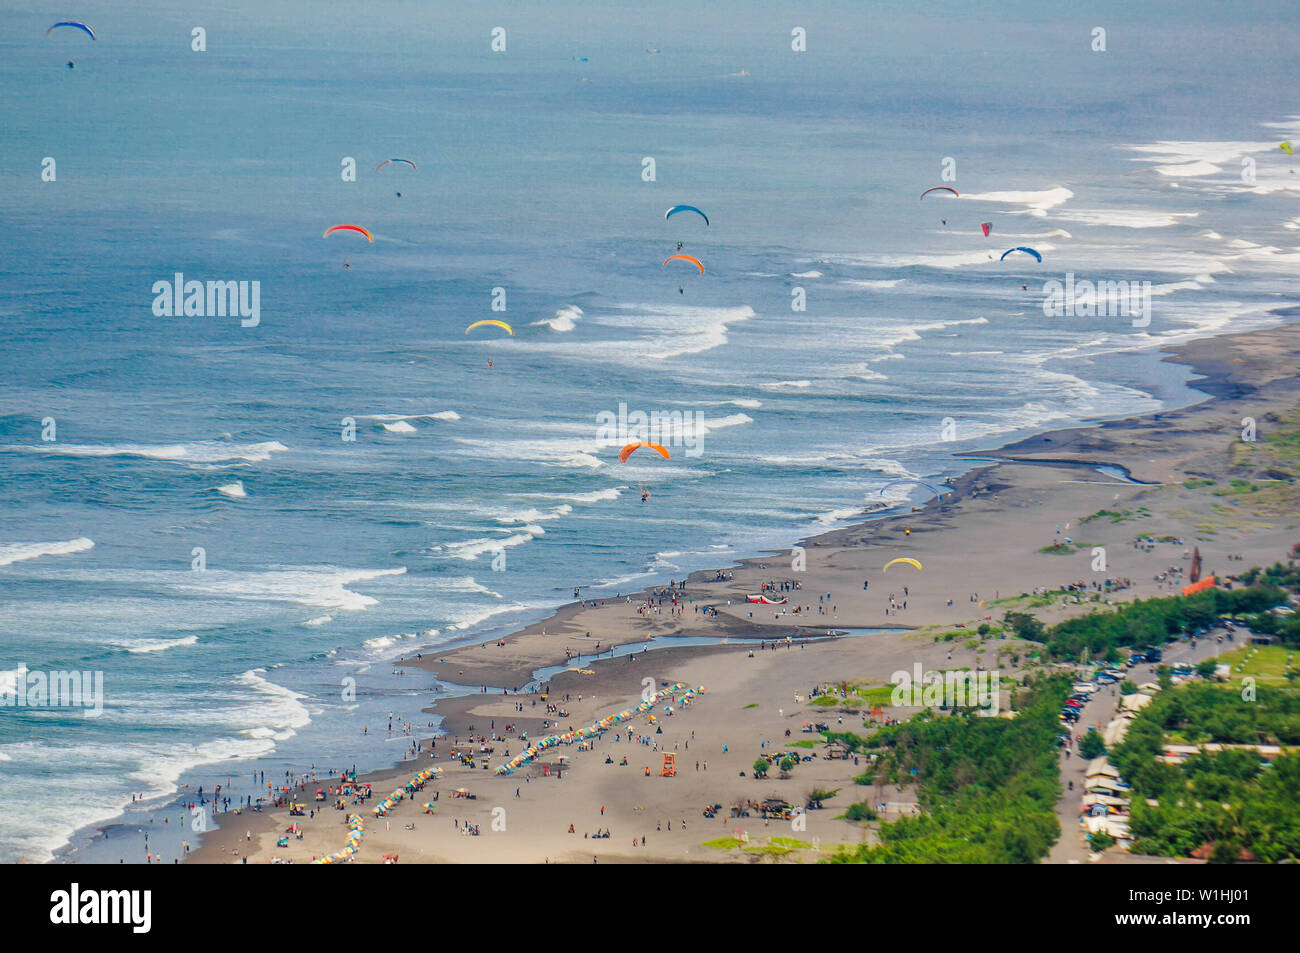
693, 261
633, 447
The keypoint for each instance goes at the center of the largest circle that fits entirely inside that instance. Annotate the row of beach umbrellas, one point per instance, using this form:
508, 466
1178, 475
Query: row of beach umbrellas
356, 831
415, 784
569, 737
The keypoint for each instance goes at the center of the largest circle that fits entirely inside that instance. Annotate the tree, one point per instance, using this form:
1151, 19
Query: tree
1100, 840
1091, 746
817, 795
1224, 852
1026, 626
787, 765
760, 768
1206, 669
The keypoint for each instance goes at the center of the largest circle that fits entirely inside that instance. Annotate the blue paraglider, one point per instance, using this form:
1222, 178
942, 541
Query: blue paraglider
1027, 251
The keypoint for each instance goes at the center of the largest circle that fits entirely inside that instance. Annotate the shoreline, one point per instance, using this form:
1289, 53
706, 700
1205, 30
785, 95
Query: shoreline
510, 660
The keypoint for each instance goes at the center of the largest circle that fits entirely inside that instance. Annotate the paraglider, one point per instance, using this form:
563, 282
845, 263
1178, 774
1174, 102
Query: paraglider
499, 324
75, 24
631, 448
1027, 251
686, 208
988, 227
902, 559
1287, 147
347, 228
693, 261
940, 188
391, 161
907, 483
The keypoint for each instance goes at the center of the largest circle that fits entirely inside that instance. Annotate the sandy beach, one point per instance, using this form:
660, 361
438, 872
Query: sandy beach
1005, 536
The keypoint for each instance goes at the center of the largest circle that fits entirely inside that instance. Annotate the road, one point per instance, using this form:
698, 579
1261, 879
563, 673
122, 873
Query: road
1098, 712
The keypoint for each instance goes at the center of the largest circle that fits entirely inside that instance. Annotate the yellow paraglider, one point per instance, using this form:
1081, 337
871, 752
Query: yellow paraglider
499, 324
902, 559
1286, 147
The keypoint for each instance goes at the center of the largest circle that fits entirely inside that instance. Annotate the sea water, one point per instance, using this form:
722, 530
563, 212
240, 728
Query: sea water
183, 508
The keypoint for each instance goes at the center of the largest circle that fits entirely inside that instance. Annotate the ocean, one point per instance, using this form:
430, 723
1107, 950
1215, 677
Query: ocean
230, 518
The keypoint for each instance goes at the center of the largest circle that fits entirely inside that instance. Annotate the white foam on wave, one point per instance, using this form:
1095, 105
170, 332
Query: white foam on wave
565, 319
1190, 159
570, 452
401, 423
318, 621
591, 496
282, 712
878, 283
234, 490
11, 553
779, 385
325, 587
1127, 217
144, 646
534, 515
806, 274
1039, 201
471, 549
1050, 233
203, 451
653, 332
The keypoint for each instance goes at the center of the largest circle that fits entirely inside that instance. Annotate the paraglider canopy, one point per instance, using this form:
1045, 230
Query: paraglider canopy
940, 188
1027, 251
347, 228
693, 261
1287, 147
988, 227
909, 483
391, 161
631, 448
902, 559
499, 324
75, 24
686, 208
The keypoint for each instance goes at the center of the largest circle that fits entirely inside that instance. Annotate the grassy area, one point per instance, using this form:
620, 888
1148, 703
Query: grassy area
778, 847
771, 846
801, 744
1266, 663
752, 705
1118, 516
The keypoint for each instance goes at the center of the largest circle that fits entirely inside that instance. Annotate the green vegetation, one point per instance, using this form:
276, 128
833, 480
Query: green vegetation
803, 743
1230, 798
1091, 746
1118, 516
1149, 622
1100, 840
778, 847
817, 795
1271, 664
861, 811
752, 705
988, 786
760, 768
